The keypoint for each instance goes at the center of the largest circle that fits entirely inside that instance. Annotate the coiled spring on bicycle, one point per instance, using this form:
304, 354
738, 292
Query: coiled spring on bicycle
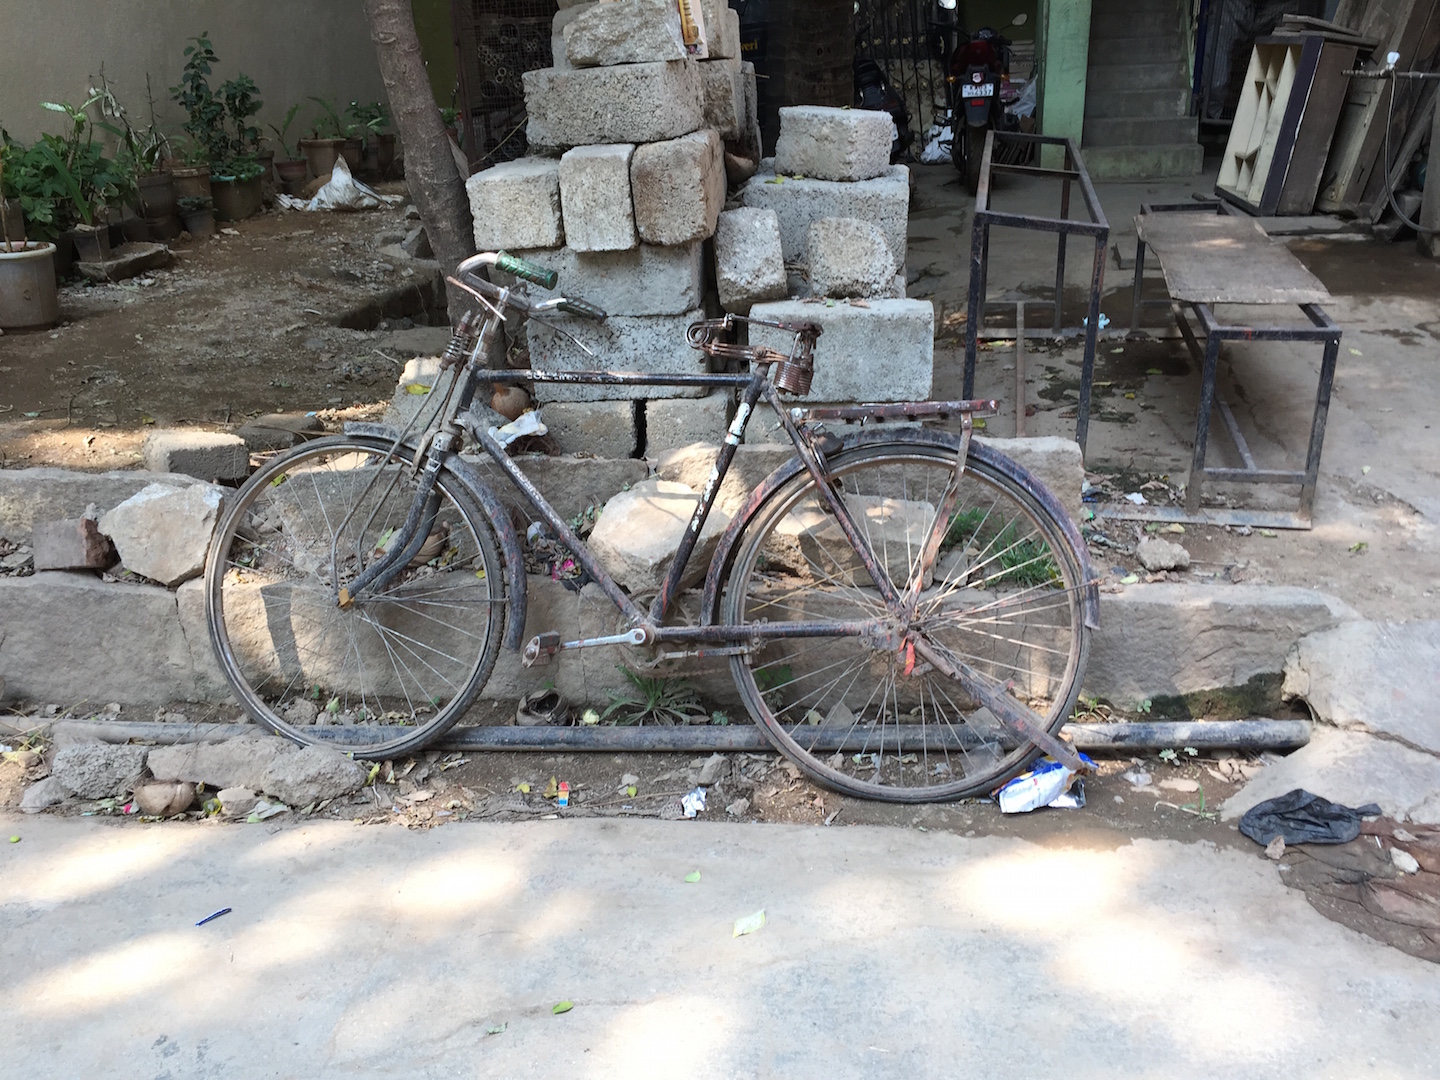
793, 372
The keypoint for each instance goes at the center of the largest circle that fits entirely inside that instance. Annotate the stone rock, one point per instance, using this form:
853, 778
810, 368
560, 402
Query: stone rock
603, 428
639, 531
237, 801
823, 143
1171, 638
716, 766
128, 261
722, 29
884, 351
646, 280
723, 87
73, 637
634, 103
625, 32
884, 200
31, 495
1351, 769
595, 193
417, 244
749, 266
738, 807
653, 343
44, 794
563, 18
234, 763
310, 774
205, 455
679, 188
164, 799
849, 257
76, 544
516, 204
1369, 676
1156, 554
279, 431
691, 465
99, 770
671, 423
163, 532
1053, 460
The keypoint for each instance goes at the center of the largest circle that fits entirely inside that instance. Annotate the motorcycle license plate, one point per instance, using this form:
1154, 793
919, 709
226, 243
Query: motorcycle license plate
983, 90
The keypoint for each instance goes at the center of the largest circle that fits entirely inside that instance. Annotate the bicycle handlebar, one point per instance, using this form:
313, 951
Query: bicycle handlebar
526, 271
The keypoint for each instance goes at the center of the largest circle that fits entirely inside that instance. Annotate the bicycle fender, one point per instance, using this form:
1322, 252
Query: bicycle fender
725, 550
495, 512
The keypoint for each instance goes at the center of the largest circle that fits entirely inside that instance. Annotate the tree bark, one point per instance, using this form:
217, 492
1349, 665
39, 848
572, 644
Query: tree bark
435, 182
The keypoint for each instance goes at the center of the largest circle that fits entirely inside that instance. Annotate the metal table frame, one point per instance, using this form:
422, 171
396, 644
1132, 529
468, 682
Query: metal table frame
1322, 330
1097, 228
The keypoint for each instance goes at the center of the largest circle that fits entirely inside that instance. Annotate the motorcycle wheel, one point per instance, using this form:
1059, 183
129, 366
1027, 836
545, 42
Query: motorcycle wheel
974, 151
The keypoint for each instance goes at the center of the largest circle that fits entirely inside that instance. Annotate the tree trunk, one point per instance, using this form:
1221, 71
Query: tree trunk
435, 182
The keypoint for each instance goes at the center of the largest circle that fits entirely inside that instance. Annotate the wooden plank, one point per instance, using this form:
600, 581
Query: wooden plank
1220, 259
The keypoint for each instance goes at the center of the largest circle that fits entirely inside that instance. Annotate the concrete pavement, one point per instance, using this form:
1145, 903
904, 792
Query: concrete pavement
355, 951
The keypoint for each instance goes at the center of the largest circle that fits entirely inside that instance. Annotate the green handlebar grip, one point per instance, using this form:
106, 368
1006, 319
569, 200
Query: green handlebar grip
583, 307
528, 271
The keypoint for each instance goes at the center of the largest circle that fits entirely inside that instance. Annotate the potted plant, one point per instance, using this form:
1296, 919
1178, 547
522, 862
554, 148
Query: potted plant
373, 119
199, 216
222, 123
292, 167
143, 152
28, 297
330, 138
81, 181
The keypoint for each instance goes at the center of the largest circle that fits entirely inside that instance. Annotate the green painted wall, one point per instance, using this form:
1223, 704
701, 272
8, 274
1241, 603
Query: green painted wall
1062, 48
437, 42
997, 14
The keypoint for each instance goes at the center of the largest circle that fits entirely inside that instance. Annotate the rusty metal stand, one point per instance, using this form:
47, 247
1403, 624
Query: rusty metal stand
1097, 228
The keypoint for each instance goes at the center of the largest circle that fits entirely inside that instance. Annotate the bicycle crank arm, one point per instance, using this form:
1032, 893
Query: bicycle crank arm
1013, 714
542, 647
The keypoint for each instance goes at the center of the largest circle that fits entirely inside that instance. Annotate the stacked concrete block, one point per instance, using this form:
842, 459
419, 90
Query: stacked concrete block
747, 144
749, 265
595, 196
603, 428
625, 32
646, 280
723, 84
678, 187
563, 18
884, 200
849, 258
635, 103
646, 343
722, 30
671, 423
516, 204
833, 144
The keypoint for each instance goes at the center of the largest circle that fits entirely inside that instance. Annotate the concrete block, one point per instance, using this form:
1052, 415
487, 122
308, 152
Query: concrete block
163, 533
646, 343
279, 431
679, 188
671, 423
749, 266
1351, 769
68, 637
724, 96
128, 261
31, 495
595, 196
563, 18
639, 530
516, 204
1173, 639
310, 774
208, 681
849, 257
625, 32
1373, 677
884, 351
722, 29
885, 200
205, 455
76, 544
691, 465
634, 103
603, 428
233, 763
1056, 462
833, 144
570, 484
646, 280
99, 770
748, 144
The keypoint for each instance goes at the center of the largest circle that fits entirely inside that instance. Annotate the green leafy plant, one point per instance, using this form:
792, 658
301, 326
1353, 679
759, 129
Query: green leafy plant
62, 180
1009, 558
193, 204
656, 699
292, 150
141, 149
221, 121
328, 124
372, 118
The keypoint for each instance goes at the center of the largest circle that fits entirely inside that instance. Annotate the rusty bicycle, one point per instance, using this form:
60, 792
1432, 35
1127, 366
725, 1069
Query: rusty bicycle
905, 612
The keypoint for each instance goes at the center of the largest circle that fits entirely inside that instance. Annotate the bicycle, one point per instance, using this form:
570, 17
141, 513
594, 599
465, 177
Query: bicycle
905, 612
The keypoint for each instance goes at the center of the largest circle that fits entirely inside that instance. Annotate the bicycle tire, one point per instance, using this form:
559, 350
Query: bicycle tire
1007, 580
297, 531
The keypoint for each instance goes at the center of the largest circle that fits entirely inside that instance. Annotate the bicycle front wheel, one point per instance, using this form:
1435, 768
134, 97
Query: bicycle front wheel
867, 715
410, 656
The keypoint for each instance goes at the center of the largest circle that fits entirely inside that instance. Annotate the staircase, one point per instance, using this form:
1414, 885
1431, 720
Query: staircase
1137, 93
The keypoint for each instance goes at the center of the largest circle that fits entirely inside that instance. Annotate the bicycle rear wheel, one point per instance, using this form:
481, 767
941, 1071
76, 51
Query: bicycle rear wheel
412, 654
874, 720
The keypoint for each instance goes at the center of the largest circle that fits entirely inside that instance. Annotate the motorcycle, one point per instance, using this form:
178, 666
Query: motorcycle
873, 91
978, 79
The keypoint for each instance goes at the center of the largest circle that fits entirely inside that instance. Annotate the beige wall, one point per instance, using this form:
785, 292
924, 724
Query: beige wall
49, 49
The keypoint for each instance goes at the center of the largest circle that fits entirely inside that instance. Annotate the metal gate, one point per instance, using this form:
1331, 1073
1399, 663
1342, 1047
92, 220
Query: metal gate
496, 41
907, 40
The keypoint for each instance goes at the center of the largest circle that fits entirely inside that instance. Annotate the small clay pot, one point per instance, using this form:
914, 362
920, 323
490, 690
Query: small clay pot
164, 799
510, 401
